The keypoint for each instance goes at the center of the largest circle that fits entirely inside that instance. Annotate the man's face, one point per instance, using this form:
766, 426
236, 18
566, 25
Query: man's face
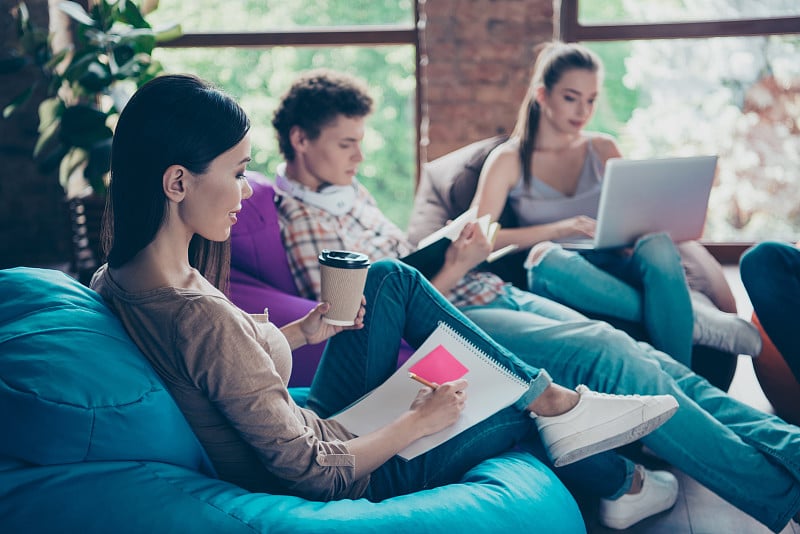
334, 156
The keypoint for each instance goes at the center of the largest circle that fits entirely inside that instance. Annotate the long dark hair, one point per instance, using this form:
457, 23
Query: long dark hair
171, 120
552, 61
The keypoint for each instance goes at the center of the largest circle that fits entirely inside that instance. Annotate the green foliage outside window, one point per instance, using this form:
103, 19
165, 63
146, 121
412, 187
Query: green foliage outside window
732, 96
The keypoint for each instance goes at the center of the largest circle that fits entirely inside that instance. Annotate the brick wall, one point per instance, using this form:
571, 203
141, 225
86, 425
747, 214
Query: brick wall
479, 55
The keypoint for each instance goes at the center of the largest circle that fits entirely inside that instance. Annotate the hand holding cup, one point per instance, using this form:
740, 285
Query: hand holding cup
343, 275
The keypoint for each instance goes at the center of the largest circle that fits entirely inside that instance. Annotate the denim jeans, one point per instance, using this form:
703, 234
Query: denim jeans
647, 286
770, 272
401, 304
748, 457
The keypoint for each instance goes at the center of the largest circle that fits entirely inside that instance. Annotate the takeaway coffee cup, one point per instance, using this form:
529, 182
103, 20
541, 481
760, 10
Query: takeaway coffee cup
343, 275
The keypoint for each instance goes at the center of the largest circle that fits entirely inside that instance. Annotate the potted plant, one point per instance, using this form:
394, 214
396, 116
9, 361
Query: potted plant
88, 85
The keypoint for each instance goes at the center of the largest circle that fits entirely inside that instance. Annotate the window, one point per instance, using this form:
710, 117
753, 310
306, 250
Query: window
259, 46
728, 82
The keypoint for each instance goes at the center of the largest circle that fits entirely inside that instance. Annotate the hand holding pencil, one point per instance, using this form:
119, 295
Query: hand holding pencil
439, 405
457, 384
422, 381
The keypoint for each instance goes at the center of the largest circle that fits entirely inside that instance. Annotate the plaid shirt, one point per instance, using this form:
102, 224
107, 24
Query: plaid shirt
306, 230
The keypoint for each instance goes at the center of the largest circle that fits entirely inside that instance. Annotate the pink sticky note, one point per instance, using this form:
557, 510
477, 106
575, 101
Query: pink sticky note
439, 366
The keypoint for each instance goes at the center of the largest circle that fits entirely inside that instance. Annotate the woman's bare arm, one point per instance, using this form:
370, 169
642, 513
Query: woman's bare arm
500, 173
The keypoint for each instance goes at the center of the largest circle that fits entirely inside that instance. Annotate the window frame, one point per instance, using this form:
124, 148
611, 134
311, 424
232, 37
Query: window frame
321, 36
571, 30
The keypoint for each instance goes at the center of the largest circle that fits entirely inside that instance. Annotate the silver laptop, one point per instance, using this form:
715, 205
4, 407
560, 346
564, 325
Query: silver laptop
654, 195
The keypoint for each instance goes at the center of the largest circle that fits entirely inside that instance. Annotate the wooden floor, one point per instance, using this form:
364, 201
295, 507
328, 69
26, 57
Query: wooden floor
698, 510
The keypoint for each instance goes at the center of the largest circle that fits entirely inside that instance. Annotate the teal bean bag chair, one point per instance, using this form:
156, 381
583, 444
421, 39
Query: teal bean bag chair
91, 441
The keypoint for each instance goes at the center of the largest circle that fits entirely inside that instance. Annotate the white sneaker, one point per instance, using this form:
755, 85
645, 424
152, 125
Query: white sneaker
659, 492
724, 331
600, 422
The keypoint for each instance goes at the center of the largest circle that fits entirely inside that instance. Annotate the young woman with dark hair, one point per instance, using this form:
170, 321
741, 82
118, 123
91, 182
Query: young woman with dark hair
550, 171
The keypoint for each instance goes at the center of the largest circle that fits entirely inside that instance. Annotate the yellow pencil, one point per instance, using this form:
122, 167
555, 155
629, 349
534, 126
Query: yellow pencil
422, 381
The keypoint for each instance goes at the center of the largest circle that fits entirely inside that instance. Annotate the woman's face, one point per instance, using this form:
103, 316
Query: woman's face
214, 198
569, 105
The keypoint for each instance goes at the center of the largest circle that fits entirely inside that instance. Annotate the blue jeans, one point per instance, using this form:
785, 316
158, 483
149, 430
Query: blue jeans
748, 457
401, 304
647, 286
770, 272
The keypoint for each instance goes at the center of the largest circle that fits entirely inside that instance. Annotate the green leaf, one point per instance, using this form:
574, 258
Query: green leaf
96, 41
130, 14
98, 165
98, 183
54, 83
106, 13
57, 58
50, 111
168, 33
131, 69
18, 101
82, 126
23, 19
141, 40
70, 163
96, 78
48, 137
76, 12
79, 65
120, 56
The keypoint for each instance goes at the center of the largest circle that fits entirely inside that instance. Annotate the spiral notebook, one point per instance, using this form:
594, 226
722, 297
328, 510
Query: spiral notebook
443, 357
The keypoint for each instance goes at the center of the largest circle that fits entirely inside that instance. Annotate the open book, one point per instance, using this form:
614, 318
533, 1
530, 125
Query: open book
443, 357
429, 256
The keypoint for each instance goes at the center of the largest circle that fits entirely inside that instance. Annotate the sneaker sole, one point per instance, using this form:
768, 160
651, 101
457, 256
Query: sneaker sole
612, 442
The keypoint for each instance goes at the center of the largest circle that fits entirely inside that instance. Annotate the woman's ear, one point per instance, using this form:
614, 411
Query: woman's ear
540, 94
174, 182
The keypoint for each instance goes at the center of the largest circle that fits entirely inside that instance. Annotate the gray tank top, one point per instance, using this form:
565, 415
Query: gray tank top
539, 203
